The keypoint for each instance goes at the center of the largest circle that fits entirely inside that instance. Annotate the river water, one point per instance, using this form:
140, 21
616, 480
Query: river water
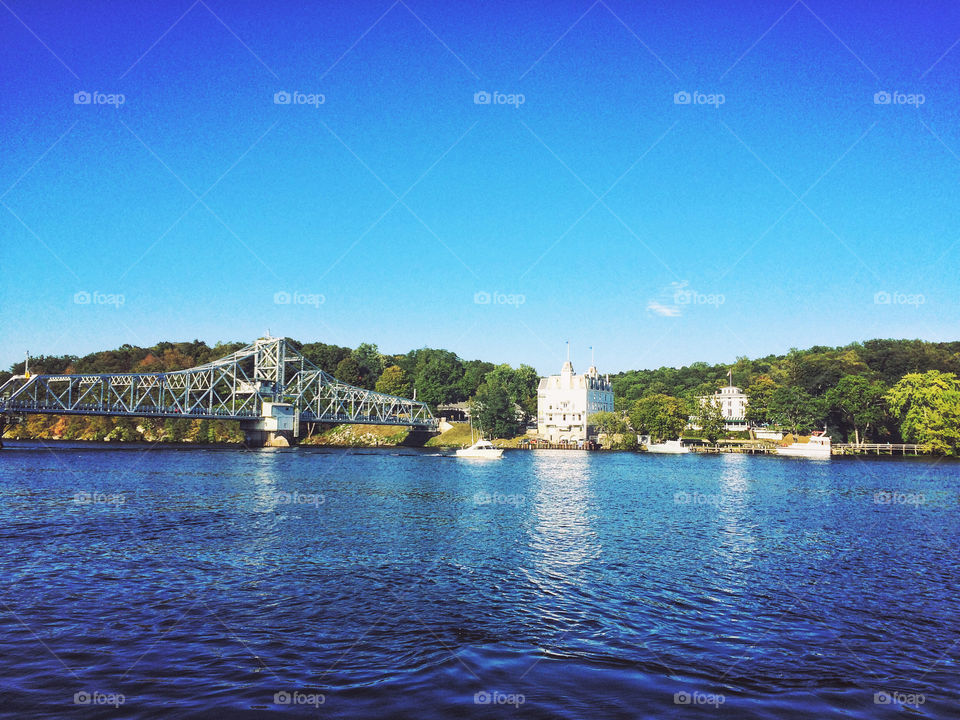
151, 581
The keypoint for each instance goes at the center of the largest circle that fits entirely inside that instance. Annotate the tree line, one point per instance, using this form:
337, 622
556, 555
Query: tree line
503, 398
875, 391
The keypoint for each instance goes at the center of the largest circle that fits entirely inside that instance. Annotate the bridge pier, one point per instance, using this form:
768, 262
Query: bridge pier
253, 438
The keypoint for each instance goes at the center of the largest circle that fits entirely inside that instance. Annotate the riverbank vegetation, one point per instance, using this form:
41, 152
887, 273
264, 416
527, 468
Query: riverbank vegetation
875, 391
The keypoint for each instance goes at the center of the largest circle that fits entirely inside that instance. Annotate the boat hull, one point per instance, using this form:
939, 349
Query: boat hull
480, 454
816, 454
671, 447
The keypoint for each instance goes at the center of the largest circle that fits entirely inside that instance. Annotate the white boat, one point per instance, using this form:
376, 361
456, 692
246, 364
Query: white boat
481, 449
670, 447
818, 448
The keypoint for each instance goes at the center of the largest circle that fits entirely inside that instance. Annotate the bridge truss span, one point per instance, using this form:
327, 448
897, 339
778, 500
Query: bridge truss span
267, 385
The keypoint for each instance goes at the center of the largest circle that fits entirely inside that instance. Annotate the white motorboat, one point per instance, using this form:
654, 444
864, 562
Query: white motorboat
817, 448
481, 449
670, 447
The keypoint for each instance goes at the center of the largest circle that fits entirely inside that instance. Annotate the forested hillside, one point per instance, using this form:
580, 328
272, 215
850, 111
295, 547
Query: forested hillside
878, 389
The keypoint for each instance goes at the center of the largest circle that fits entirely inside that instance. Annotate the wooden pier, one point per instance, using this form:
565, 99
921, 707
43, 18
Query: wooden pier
731, 448
544, 445
878, 449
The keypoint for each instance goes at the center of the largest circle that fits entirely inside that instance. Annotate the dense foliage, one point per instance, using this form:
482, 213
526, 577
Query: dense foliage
875, 391
879, 390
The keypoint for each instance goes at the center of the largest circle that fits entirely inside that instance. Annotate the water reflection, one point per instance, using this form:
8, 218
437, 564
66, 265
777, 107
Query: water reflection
563, 535
736, 517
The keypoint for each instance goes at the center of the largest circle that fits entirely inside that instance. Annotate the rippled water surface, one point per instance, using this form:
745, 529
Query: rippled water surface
406, 584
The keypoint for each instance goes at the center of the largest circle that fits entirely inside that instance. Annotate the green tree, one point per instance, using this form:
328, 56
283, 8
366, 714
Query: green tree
928, 408
709, 417
795, 408
474, 373
661, 416
326, 357
609, 423
861, 403
371, 363
521, 383
494, 412
438, 376
349, 371
759, 392
394, 381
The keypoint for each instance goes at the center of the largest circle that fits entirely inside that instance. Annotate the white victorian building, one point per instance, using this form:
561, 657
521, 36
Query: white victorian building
732, 402
566, 401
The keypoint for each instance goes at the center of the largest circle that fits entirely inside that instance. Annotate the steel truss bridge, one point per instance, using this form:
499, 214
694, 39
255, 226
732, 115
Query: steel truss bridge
268, 386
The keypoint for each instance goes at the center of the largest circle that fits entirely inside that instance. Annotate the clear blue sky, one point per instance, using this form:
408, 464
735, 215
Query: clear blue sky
657, 232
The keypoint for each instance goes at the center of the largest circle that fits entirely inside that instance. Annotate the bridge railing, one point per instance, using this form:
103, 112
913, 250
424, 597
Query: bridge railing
233, 387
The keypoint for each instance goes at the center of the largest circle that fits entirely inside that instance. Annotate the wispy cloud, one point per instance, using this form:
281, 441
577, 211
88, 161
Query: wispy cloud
664, 310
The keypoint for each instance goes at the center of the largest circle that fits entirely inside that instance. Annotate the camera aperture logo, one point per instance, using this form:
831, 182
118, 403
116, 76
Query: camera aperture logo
98, 98
699, 498
495, 697
498, 98
84, 297
698, 698
99, 498
285, 697
885, 697
283, 297
698, 98
483, 297
95, 697
296, 97
682, 295
896, 97
299, 498
485, 498
899, 298
887, 497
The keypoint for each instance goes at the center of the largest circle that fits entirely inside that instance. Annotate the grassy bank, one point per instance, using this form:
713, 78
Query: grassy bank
359, 436
459, 436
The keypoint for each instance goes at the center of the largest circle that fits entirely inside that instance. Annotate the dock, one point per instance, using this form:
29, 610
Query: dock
878, 449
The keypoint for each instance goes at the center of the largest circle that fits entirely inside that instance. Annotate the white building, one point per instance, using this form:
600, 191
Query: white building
566, 401
732, 402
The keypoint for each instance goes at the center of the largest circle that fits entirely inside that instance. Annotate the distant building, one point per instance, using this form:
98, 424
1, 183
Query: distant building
732, 402
566, 401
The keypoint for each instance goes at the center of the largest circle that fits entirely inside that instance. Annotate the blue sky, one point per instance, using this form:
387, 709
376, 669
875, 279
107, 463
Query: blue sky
786, 205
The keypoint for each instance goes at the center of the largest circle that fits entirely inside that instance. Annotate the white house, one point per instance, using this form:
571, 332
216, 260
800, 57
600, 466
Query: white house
732, 402
566, 401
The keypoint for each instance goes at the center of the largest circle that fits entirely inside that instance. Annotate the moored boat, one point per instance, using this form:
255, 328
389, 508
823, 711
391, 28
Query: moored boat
818, 448
481, 449
670, 447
